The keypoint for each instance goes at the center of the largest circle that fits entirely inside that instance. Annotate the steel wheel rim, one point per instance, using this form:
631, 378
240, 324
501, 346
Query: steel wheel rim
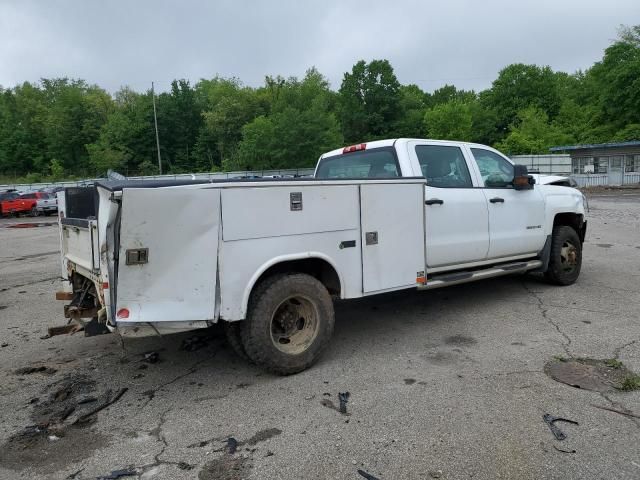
568, 256
294, 324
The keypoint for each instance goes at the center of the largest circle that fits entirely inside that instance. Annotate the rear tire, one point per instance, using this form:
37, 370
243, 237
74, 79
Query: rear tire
565, 260
34, 212
289, 323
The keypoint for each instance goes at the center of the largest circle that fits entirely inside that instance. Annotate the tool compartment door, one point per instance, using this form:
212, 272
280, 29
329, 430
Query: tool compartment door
175, 280
392, 222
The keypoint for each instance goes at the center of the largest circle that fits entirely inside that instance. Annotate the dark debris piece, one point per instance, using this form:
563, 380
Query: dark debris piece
344, 398
366, 475
151, 357
550, 420
185, 466
125, 472
194, 343
232, 445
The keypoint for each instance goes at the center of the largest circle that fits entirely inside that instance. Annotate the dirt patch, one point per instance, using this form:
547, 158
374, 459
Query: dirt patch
38, 369
263, 435
226, 467
461, 340
61, 433
591, 374
409, 381
47, 450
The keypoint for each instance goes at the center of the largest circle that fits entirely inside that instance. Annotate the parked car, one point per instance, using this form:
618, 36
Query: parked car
34, 203
10, 203
388, 215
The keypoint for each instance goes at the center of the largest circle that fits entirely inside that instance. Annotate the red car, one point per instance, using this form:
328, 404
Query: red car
8, 202
14, 204
40, 203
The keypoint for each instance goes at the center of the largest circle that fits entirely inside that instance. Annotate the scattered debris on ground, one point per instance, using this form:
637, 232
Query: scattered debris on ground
194, 343
115, 474
110, 401
592, 374
366, 475
151, 357
232, 446
344, 398
551, 421
563, 450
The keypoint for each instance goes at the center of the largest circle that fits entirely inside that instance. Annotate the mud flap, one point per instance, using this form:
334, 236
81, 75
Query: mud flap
545, 256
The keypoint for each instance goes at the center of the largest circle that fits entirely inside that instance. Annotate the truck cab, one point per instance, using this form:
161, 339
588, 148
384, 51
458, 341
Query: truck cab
476, 213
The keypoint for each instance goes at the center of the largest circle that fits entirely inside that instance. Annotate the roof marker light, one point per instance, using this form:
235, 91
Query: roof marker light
355, 148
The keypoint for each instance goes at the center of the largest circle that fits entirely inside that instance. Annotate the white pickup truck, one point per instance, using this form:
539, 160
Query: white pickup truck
266, 257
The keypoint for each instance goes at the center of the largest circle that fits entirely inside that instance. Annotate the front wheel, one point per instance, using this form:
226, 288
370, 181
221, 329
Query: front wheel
35, 212
289, 323
566, 256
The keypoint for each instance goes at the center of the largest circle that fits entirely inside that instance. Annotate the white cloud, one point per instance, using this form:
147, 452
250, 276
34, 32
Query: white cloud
430, 43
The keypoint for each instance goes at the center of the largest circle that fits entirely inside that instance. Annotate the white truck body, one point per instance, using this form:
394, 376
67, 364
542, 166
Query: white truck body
162, 257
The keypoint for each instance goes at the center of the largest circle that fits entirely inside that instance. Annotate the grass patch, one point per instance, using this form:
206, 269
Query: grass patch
613, 363
630, 382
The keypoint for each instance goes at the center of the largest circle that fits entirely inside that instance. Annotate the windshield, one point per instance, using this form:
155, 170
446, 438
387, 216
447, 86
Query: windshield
375, 163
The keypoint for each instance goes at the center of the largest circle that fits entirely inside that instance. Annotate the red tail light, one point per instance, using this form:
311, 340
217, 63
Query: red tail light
123, 313
355, 148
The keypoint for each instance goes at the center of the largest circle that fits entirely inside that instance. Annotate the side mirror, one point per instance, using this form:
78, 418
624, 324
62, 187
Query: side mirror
521, 178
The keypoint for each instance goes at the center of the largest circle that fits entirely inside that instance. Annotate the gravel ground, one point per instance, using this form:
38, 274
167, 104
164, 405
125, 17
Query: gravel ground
444, 384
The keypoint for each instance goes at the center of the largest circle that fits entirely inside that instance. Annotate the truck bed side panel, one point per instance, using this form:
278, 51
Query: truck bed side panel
260, 229
180, 230
268, 212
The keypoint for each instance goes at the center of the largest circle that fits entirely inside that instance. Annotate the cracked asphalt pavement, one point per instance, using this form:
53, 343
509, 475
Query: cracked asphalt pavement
444, 384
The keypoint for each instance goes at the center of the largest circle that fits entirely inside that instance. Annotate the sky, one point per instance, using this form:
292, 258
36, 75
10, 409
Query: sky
430, 43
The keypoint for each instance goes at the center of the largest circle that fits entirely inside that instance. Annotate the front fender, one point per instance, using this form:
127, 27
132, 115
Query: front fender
560, 200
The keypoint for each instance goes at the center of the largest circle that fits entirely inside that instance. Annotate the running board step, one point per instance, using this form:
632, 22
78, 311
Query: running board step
446, 279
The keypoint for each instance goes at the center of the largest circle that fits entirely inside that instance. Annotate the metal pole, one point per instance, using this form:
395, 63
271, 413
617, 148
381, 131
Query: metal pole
155, 121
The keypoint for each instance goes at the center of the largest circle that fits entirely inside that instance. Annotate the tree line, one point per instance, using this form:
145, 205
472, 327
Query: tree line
66, 128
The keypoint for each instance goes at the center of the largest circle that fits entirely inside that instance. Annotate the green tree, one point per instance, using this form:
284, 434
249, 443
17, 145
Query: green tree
533, 134
228, 107
369, 101
519, 86
412, 108
288, 139
451, 121
613, 84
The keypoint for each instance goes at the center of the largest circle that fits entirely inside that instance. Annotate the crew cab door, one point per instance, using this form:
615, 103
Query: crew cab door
516, 217
456, 215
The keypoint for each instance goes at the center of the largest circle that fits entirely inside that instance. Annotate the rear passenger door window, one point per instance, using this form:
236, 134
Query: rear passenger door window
443, 166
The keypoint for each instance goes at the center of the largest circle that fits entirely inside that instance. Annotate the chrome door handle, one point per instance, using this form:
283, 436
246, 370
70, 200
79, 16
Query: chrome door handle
497, 200
434, 201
